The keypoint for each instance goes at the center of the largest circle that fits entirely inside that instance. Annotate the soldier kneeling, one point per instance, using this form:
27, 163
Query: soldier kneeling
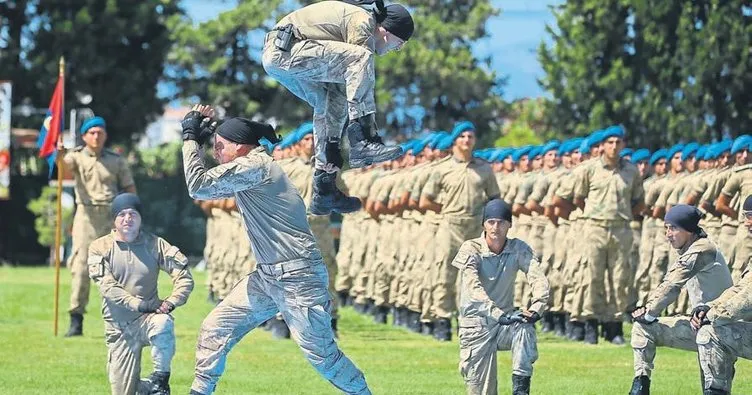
125, 265
488, 267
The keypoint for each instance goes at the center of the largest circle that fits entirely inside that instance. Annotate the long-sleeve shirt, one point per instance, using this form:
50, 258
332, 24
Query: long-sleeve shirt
735, 304
487, 279
701, 268
273, 211
127, 273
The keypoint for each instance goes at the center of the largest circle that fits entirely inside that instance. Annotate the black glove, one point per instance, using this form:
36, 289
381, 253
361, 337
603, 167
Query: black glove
166, 307
197, 127
696, 312
517, 316
535, 317
643, 320
146, 306
506, 319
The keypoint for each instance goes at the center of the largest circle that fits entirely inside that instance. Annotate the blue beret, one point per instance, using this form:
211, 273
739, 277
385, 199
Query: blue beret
445, 143
570, 146
461, 127
266, 144
501, 154
640, 155
674, 150
584, 147
438, 136
595, 138
724, 145
658, 155
303, 130
288, 140
536, 150
91, 123
551, 146
419, 146
613, 131
626, 152
740, 144
520, 152
690, 150
701, 152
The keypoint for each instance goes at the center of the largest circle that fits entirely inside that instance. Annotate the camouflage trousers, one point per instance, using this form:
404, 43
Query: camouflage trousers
89, 224
419, 297
607, 249
382, 269
344, 280
325, 241
337, 79
125, 342
727, 242
302, 296
480, 339
557, 281
404, 280
646, 275
369, 248
674, 332
449, 238
521, 288
719, 345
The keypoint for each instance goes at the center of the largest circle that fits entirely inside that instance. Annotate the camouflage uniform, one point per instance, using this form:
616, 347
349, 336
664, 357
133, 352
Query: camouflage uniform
126, 274
739, 186
330, 65
611, 194
486, 294
646, 275
728, 336
290, 277
702, 270
729, 226
348, 236
99, 178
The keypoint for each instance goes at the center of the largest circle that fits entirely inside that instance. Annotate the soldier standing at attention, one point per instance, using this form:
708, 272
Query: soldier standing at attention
100, 174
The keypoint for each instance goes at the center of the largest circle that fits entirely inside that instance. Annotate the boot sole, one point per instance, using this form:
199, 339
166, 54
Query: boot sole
358, 163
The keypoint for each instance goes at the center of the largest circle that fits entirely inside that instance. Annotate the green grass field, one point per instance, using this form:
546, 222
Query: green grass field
395, 361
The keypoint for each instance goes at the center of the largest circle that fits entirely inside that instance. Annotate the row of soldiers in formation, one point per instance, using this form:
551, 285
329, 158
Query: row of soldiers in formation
598, 231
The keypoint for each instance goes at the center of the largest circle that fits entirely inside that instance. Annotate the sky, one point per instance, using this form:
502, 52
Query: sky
514, 38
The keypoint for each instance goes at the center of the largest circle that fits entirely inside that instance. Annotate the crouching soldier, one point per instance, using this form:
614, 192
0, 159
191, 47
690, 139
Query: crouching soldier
125, 265
488, 267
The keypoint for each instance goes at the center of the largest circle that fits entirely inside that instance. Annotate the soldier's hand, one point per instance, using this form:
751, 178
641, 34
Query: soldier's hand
531, 317
165, 308
146, 306
699, 317
638, 315
199, 124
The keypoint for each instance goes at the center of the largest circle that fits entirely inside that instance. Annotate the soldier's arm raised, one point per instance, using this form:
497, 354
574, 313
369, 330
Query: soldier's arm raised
221, 181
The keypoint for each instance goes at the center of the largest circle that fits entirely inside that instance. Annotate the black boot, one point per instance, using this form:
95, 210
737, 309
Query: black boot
359, 307
426, 328
369, 310
443, 331
591, 332
158, 383
366, 147
413, 321
194, 392
640, 386
280, 329
327, 198
520, 385
380, 314
350, 300
395, 316
560, 322
714, 391
547, 323
342, 298
617, 332
578, 331
76, 325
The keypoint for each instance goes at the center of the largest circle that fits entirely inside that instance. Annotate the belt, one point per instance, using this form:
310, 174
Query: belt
608, 222
278, 269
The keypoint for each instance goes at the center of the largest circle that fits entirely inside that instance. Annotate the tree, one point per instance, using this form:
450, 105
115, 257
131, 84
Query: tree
667, 70
114, 50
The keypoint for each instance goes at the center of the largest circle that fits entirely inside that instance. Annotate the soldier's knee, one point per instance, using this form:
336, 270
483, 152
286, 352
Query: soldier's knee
163, 323
640, 335
705, 335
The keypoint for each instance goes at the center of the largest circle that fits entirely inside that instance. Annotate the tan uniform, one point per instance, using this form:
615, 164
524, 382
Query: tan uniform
702, 271
99, 178
670, 197
126, 274
290, 275
728, 336
739, 185
348, 234
462, 188
610, 194
368, 248
227, 252
486, 294
575, 264
330, 65
646, 275
728, 228
381, 272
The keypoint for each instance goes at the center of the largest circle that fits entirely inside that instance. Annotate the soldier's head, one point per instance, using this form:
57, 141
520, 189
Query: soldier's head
747, 213
497, 220
674, 157
613, 142
659, 161
394, 29
640, 159
94, 133
536, 158
740, 149
682, 225
689, 156
126, 213
237, 137
304, 146
464, 138
550, 153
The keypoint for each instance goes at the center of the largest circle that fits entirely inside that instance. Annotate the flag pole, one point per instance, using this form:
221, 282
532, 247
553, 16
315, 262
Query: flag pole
59, 222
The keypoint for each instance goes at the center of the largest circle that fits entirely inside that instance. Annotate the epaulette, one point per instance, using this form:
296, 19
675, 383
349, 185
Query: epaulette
78, 149
742, 168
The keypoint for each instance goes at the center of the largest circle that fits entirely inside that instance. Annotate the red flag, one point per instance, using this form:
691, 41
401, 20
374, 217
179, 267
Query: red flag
52, 126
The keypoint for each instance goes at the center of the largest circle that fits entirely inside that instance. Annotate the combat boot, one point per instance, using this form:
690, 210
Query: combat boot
280, 329
443, 331
76, 325
366, 147
194, 392
617, 333
342, 298
413, 321
370, 309
327, 198
547, 323
591, 332
560, 321
640, 386
380, 314
359, 307
426, 328
578, 331
520, 385
158, 383
714, 391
